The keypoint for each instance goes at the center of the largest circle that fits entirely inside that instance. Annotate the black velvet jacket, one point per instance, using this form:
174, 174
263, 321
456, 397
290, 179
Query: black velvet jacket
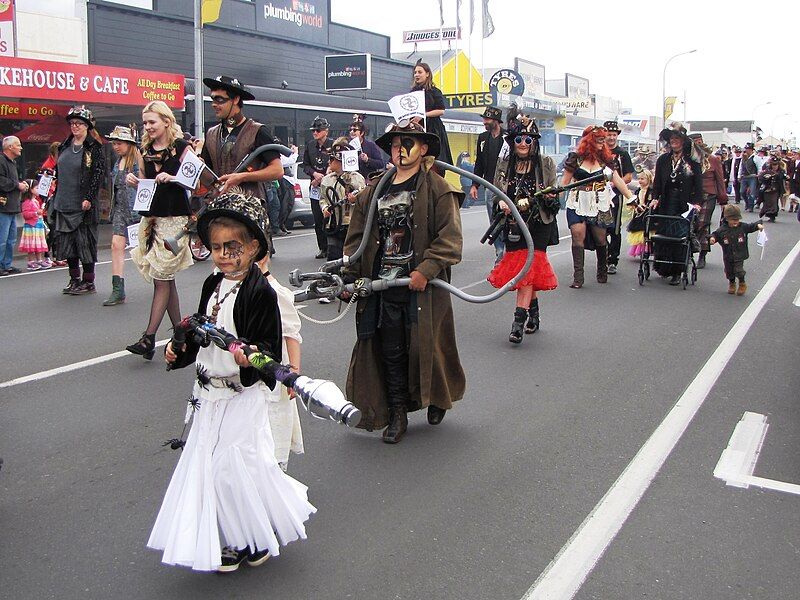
257, 319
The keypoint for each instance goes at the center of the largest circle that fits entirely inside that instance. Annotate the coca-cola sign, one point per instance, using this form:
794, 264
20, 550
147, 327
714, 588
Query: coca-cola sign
90, 84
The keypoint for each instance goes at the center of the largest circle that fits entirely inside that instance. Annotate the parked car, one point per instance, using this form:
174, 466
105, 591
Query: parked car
301, 211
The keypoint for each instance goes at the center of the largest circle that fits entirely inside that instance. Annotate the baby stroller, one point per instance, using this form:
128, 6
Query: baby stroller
677, 231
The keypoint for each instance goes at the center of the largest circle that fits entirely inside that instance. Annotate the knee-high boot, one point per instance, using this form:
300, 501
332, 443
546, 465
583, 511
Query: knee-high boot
602, 264
577, 264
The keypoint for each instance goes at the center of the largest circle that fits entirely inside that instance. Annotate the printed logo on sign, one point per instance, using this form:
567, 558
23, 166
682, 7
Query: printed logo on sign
409, 103
144, 196
351, 162
188, 170
507, 81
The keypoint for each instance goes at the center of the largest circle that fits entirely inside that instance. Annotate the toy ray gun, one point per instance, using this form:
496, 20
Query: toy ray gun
322, 398
500, 219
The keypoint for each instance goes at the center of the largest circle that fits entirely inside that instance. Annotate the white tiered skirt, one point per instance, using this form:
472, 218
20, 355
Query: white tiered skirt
228, 489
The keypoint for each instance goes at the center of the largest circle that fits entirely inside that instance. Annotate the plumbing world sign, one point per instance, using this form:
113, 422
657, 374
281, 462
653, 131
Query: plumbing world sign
305, 20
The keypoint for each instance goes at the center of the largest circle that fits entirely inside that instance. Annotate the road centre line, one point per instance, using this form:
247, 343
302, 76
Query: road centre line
567, 572
73, 367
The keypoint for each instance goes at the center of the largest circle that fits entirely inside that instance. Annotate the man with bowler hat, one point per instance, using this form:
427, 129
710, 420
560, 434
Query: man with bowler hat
624, 168
490, 143
315, 164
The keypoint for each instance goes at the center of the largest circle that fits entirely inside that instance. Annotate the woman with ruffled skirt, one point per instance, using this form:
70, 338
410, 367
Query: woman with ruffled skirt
520, 173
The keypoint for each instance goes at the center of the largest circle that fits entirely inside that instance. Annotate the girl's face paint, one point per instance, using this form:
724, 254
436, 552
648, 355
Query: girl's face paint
231, 254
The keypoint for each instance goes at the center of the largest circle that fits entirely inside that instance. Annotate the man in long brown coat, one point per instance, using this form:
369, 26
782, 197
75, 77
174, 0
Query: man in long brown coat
406, 357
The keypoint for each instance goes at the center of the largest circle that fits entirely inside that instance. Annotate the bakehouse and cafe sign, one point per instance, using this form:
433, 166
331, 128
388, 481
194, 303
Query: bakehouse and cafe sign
90, 84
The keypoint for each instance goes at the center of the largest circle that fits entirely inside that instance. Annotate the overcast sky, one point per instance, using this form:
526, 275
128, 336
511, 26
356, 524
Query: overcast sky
744, 52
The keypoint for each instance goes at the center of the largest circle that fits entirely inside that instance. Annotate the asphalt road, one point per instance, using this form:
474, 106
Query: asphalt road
475, 508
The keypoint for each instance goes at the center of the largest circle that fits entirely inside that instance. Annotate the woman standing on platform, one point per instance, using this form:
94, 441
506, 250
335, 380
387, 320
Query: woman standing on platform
434, 108
163, 147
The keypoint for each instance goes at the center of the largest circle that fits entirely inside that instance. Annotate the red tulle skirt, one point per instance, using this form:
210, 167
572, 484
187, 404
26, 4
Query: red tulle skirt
540, 275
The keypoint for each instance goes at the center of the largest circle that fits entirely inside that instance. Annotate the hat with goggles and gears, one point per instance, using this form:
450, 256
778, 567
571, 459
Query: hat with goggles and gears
83, 114
342, 144
412, 130
518, 124
319, 124
244, 208
612, 127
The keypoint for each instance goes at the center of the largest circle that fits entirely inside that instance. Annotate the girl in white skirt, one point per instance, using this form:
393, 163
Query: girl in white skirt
228, 501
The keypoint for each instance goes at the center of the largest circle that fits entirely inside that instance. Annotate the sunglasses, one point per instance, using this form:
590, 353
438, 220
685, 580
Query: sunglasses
527, 140
219, 99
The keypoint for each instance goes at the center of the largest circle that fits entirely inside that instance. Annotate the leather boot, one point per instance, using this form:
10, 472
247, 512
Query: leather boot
145, 347
515, 337
398, 423
602, 264
577, 263
117, 291
532, 325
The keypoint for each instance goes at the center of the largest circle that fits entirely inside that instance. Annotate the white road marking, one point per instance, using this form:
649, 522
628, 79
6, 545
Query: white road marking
73, 367
565, 575
738, 460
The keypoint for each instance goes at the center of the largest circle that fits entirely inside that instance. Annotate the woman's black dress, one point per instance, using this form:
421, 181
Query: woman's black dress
434, 100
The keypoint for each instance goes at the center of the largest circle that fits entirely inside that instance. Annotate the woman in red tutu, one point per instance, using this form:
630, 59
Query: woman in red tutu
520, 173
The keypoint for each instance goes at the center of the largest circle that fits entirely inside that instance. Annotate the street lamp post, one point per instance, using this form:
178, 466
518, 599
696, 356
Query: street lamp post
772, 129
664, 85
753, 126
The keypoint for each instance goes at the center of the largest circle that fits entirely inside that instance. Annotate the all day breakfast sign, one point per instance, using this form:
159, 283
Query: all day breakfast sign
90, 84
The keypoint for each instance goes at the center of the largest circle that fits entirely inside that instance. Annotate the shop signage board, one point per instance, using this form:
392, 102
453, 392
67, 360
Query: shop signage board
305, 20
89, 84
31, 111
507, 81
470, 100
7, 42
533, 74
431, 35
348, 72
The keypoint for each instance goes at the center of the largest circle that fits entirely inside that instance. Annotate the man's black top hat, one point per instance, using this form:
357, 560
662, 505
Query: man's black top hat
232, 85
612, 126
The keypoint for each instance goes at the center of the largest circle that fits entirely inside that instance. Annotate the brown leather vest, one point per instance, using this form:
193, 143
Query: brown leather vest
225, 162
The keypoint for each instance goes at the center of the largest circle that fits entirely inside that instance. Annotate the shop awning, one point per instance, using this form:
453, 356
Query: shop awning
54, 129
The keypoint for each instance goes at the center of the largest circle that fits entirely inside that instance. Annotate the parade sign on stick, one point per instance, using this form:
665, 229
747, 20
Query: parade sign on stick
189, 171
405, 107
144, 195
133, 235
350, 160
355, 144
43, 189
